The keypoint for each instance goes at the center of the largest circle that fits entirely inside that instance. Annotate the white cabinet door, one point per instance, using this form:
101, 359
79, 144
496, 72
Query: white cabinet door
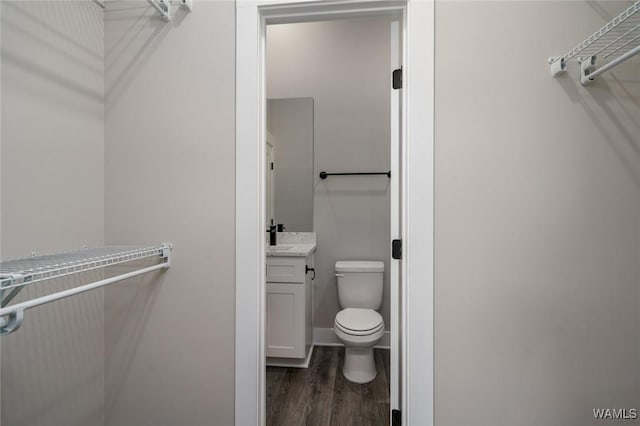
285, 320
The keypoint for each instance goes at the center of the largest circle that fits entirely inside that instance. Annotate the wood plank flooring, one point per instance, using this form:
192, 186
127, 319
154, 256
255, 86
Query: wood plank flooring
321, 396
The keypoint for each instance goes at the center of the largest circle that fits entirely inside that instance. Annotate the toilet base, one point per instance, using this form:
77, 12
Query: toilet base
359, 366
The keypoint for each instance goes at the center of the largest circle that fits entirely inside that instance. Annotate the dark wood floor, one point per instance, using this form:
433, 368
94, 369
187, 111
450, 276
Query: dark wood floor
320, 394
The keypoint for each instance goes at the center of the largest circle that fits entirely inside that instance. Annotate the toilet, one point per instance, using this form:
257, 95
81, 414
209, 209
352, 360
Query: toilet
358, 325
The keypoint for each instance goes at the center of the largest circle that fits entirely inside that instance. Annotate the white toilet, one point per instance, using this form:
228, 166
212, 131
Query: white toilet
358, 325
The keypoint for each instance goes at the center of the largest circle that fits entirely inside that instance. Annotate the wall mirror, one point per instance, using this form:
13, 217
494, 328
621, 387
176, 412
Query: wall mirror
289, 156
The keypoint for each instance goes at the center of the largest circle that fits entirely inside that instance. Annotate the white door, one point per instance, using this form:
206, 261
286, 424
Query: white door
395, 269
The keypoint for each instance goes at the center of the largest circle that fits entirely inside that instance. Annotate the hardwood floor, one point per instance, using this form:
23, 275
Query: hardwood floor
320, 395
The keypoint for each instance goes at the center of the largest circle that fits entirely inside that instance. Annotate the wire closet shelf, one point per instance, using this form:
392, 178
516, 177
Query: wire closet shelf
17, 274
611, 45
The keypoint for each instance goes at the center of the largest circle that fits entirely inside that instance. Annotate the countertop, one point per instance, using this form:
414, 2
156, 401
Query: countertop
293, 244
291, 250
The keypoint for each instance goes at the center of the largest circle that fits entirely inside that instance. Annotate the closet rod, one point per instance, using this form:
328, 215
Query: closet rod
15, 313
323, 175
630, 54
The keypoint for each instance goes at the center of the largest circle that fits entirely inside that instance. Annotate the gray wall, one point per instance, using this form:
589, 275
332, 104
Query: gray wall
291, 123
344, 67
169, 177
537, 230
52, 186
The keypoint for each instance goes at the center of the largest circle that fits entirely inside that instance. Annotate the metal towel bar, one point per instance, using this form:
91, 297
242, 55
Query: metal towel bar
323, 174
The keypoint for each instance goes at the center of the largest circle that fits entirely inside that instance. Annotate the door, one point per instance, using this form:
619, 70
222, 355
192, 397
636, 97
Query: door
395, 268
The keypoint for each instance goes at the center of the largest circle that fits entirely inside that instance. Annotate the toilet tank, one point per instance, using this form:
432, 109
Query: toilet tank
360, 283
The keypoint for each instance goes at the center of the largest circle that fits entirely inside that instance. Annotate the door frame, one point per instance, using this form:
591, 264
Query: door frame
417, 180
270, 208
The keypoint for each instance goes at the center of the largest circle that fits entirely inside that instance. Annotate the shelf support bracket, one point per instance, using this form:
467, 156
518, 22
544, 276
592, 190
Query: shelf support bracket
164, 7
558, 66
187, 4
166, 254
11, 322
587, 66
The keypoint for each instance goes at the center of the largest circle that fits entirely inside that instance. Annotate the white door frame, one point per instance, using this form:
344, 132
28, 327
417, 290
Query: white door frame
396, 166
270, 213
417, 348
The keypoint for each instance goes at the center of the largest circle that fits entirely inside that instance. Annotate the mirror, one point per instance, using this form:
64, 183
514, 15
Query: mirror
289, 156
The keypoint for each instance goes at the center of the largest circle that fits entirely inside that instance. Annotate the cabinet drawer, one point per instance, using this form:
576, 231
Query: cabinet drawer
286, 269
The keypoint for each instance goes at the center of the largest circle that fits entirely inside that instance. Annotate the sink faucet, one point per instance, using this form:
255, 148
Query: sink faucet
272, 234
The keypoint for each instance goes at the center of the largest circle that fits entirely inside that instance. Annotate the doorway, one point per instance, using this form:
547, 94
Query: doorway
330, 101
414, 393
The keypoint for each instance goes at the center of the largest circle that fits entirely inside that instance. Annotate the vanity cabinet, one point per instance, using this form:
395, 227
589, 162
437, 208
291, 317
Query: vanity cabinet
289, 332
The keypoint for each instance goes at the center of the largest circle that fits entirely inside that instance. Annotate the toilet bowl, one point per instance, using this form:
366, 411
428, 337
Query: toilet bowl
358, 326
359, 330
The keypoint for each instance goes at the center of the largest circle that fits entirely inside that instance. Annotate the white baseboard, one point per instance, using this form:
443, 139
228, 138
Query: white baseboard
327, 337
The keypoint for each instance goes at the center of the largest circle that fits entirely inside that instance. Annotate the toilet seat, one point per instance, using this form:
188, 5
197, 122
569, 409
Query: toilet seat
359, 322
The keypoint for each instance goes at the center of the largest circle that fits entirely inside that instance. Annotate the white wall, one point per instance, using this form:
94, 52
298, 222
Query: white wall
169, 178
52, 187
343, 66
537, 230
291, 123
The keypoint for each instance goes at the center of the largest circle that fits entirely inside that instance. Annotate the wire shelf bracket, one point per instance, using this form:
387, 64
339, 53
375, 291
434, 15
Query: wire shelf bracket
620, 36
17, 274
164, 7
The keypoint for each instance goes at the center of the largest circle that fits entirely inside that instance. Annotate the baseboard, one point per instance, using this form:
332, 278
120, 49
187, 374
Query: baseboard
327, 337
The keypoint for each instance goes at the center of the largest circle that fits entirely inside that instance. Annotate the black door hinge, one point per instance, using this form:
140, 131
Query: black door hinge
396, 249
272, 165
397, 78
396, 418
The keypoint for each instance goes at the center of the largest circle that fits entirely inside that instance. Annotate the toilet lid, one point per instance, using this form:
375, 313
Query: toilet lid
359, 320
